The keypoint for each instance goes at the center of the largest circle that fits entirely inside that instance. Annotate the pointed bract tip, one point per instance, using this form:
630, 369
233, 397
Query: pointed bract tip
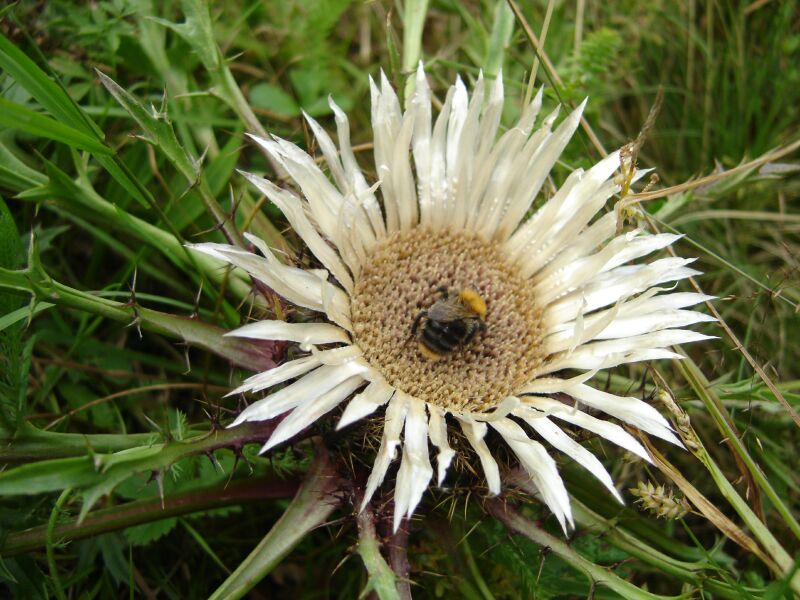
384, 81
256, 138
578, 112
398, 518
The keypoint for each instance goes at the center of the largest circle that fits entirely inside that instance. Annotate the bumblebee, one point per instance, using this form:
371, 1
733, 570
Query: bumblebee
451, 322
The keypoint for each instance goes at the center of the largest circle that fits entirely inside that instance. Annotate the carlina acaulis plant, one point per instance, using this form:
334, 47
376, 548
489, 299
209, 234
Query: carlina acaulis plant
450, 301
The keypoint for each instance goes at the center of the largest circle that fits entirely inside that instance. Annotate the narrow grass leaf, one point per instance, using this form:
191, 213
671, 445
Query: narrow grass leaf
499, 39
46, 92
15, 174
14, 116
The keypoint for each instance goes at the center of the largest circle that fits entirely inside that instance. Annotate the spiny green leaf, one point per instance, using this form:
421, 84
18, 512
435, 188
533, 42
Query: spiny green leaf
198, 32
48, 476
157, 128
178, 424
53, 97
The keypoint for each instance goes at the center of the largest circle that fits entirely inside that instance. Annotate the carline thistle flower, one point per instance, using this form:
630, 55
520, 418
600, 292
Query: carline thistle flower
560, 299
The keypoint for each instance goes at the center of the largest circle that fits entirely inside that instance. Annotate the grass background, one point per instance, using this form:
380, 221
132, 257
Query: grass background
110, 190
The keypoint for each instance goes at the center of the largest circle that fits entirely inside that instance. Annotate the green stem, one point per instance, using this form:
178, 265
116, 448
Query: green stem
691, 572
315, 501
94, 470
145, 511
381, 577
32, 444
231, 94
250, 354
51, 558
702, 387
516, 522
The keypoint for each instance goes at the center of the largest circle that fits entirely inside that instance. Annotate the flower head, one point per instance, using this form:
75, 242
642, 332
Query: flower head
561, 300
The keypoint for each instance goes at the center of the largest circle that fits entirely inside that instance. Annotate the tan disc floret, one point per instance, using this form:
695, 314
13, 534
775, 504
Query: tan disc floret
564, 296
404, 275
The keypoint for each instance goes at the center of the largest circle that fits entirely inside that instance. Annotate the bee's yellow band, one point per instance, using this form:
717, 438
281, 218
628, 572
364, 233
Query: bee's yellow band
471, 299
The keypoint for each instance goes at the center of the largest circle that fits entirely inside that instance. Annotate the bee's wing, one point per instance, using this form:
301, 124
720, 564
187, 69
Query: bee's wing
448, 311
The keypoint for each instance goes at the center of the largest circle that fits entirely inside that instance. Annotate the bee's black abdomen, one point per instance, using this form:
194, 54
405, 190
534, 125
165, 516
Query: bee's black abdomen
433, 338
444, 337
449, 323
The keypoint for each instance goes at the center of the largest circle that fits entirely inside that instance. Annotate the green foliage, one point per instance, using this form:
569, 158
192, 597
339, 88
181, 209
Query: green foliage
15, 353
594, 63
142, 535
106, 183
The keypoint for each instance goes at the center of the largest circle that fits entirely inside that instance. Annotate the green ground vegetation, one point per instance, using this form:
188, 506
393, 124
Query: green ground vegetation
121, 125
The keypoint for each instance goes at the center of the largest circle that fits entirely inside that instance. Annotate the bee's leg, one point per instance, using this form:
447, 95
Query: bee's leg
443, 291
417, 319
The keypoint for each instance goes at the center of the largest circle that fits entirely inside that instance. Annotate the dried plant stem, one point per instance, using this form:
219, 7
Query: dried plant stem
707, 508
542, 39
702, 388
720, 409
756, 367
551, 70
715, 177
398, 559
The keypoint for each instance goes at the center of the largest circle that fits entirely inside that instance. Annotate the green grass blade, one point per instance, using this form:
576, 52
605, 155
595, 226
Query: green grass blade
14, 116
499, 39
46, 92
414, 13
